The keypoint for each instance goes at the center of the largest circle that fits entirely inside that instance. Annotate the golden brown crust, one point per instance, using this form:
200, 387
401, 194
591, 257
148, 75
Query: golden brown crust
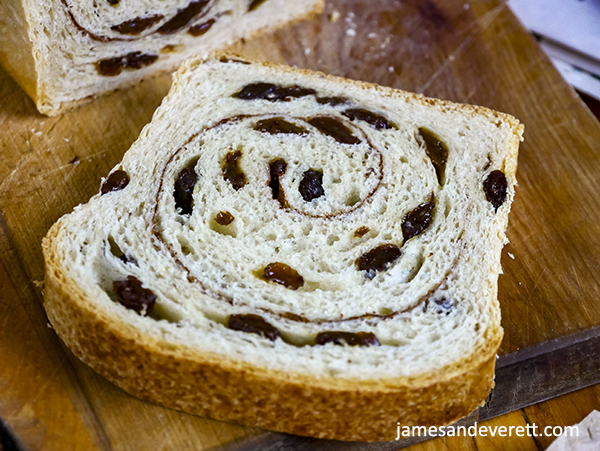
210, 385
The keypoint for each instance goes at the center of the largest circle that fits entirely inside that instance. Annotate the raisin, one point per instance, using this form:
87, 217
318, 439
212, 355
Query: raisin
333, 101
348, 338
271, 92
255, 4
253, 324
335, 128
373, 119
113, 66
495, 187
133, 296
184, 190
201, 28
137, 25
437, 152
183, 17
110, 67
232, 172
278, 125
416, 221
116, 181
277, 169
224, 218
361, 231
113, 2
283, 275
311, 185
379, 258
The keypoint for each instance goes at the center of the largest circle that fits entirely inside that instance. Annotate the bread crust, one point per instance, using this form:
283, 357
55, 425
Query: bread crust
211, 385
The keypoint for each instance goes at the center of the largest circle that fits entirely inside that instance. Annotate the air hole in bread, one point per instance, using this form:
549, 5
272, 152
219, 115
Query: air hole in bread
228, 229
415, 268
331, 239
385, 311
117, 252
186, 248
353, 198
160, 312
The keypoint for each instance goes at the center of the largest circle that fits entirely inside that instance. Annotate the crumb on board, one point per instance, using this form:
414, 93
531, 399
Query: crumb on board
334, 16
351, 32
511, 255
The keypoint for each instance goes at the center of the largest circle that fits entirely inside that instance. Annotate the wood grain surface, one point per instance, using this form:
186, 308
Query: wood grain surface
466, 51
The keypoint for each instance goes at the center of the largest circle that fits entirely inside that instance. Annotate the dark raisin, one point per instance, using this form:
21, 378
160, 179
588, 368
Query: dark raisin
335, 128
184, 190
133, 296
495, 187
113, 2
271, 92
361, 231
311, 185
113, 66
278, 125
253, 324
137, 25
277, 169
379, 258
110, 67
224, 218
183, 17
436, 151
416, 221
137, 60
283, 275
333, 101
232, 172
373, 119
116, 181
255, 4
348, 338
201, 28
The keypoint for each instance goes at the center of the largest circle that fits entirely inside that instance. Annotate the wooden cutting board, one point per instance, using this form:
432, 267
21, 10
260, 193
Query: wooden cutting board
465, 51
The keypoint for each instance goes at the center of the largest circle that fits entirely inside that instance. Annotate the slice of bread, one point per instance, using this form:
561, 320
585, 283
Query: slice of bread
294, 251
65, 52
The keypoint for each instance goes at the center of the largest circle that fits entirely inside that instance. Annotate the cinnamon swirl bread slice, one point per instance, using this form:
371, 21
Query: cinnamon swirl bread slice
64, 52
294, 251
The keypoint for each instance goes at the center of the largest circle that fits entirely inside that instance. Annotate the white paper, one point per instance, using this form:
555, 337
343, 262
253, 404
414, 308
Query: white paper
587, 440
573, 23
